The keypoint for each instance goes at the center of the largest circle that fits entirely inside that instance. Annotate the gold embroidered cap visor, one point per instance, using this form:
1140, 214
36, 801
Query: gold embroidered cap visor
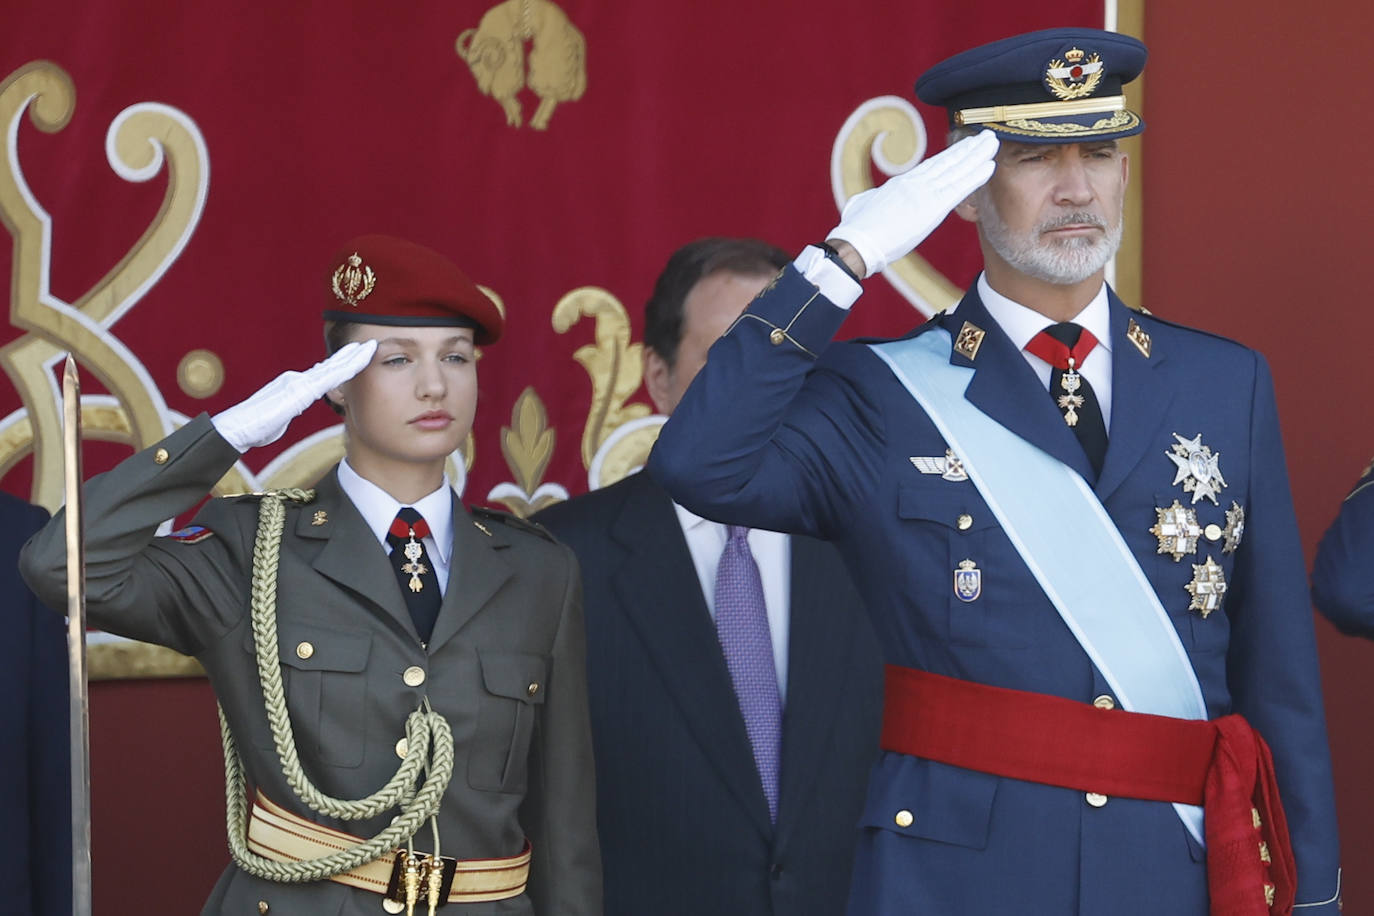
1051, 86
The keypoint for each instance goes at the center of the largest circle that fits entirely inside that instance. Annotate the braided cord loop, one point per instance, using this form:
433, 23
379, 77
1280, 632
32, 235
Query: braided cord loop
428, 735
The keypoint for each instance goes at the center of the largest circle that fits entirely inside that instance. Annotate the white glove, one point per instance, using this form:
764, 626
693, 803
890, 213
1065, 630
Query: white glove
886, 222
263, 418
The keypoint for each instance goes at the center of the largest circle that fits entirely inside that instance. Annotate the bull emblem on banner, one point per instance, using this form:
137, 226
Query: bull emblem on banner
555, 70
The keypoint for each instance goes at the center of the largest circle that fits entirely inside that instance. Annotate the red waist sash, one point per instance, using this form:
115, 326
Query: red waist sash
1223, 765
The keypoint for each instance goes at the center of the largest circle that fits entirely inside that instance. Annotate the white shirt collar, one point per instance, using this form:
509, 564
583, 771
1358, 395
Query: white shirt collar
1021, 323
689, 519
378, 508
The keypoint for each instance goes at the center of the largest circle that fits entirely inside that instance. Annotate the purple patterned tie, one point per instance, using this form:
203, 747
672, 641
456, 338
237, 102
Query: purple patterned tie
742, 626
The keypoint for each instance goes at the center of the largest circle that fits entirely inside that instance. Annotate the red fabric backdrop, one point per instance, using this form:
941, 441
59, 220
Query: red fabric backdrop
325, 121
712, 118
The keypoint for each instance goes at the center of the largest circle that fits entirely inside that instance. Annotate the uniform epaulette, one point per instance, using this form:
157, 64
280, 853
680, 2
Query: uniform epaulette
286, 493
482, 513
932, 322
1185, 327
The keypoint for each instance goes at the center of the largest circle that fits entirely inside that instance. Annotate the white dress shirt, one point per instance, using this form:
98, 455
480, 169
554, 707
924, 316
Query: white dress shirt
1021, 324
706, 541
378, 508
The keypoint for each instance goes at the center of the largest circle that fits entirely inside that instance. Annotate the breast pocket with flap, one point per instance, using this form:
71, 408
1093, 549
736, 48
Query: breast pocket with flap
514, 683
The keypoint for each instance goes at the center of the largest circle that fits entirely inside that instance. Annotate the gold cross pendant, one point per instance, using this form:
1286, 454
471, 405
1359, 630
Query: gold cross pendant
1069, 403
415, 568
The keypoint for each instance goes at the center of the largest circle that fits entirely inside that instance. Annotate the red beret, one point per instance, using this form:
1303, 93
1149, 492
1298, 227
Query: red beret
378, 279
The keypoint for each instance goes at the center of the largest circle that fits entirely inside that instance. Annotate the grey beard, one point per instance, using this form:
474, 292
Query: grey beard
1064, 262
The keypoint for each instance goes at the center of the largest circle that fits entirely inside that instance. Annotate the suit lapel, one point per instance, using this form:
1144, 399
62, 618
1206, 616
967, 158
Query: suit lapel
1139, 402
676, 629
351, 555
1006, 388
818, 656
476, 572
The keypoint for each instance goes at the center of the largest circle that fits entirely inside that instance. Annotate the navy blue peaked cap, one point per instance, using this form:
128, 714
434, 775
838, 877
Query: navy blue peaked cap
1051, 86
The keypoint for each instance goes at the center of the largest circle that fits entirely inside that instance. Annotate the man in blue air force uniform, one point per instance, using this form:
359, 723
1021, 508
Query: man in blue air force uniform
1070, 521
1342, 575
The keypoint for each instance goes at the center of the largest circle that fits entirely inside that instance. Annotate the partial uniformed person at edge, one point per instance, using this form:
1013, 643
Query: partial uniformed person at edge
1342, 574
401, 680
1070, 522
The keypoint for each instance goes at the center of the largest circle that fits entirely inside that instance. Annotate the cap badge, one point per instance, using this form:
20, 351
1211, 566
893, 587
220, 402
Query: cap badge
353, 281
1075, 75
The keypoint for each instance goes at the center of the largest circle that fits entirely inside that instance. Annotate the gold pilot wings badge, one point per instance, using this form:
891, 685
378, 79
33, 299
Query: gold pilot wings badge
949, 467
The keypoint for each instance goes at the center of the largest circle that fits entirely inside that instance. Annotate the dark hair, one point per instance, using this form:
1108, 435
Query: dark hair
687, 267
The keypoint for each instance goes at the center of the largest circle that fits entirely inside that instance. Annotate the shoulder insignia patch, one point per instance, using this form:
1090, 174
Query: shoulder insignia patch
192, 534
483, 514
969, 339
1138, 336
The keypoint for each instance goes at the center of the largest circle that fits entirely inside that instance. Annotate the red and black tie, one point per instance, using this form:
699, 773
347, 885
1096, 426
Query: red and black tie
1065, 346
414, 572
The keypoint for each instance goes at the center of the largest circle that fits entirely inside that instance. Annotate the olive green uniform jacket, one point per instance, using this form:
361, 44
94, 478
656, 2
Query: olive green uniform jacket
504, 666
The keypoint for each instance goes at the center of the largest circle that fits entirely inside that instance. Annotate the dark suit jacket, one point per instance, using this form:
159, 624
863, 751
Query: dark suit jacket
683, 823
35, 822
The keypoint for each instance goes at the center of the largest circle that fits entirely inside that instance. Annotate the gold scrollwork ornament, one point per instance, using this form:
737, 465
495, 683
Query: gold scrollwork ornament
617, 435
141, 140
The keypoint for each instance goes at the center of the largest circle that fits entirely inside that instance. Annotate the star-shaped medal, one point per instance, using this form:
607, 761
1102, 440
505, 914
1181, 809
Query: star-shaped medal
1207, 588
1199, 469
1235, 527
1177, 529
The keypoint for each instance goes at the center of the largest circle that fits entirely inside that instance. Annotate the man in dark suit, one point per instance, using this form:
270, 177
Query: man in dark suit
695, 815
35, 751
1070, 520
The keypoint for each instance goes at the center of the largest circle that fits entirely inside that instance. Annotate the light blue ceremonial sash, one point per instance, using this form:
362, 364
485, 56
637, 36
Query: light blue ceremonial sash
1097, 587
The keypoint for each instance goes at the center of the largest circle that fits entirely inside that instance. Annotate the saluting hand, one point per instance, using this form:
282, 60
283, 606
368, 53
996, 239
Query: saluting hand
886, 222
263, 418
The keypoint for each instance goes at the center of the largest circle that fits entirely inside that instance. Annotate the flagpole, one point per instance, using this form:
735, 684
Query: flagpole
76, 642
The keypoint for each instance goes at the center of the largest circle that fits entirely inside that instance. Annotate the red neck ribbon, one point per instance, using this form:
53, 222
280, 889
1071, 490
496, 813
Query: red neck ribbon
401, 530
1057, 354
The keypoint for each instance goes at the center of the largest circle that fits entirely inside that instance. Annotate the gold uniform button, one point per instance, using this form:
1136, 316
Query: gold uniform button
160, 457
532, 689
402, 748
263, 907
304, 650
965, 522
1213, 532
1096, 799
393, 906
777, 336
414, 676
1104, 702
904, 818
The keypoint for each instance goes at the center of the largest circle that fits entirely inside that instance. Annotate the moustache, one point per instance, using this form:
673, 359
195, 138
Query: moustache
1073, 219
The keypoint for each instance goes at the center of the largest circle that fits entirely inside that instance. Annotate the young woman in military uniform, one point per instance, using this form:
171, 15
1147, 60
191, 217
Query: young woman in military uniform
401, 681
